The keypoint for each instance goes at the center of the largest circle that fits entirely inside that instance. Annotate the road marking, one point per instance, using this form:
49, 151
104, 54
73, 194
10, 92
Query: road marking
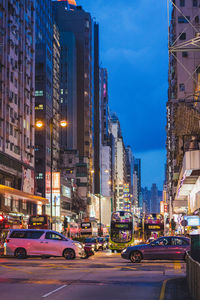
162, 292
54, 291
177, 266
16, 269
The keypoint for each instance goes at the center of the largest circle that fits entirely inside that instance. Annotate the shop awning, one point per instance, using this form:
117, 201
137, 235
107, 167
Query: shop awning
8, 191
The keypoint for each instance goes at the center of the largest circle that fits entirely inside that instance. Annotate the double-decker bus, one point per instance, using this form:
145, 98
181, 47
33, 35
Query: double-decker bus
89, 228
153, 225
121, 230
38, 222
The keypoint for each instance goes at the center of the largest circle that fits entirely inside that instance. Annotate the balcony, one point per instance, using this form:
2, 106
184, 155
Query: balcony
188, 179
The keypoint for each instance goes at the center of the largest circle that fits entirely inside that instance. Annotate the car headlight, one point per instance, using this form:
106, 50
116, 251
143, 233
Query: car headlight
124, 250
78, 245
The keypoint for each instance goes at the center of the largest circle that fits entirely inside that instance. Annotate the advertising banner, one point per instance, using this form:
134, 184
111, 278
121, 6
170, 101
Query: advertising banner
28, 181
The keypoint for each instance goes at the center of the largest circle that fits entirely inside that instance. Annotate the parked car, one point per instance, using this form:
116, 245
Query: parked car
45, 243
93, 243
170, 247
89, 251
103, 243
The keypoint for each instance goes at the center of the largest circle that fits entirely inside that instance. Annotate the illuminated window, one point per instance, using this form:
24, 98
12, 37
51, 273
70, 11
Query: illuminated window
39, 107
39, 176
24, 205
38, 93
61, 91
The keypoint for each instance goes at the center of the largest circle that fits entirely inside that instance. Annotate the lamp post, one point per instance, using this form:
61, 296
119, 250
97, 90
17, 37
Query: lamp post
39, 124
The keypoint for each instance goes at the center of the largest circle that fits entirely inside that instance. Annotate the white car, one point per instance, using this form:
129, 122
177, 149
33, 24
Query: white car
38, 242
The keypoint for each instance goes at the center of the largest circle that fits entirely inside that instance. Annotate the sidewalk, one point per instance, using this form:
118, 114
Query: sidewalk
177, 289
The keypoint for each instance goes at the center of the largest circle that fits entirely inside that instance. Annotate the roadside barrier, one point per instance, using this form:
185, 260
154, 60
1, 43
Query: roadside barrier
193, 277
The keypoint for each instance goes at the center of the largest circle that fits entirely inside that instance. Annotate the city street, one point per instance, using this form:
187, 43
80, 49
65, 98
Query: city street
103, 276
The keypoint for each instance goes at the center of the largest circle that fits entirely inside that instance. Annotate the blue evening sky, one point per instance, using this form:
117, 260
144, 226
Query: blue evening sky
133, 45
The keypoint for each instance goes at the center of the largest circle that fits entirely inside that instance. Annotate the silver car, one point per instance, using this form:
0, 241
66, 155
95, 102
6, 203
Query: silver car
46, 243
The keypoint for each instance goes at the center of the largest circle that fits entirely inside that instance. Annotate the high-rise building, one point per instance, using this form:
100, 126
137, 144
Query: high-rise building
154, 199
74, 19
119, 174
17, 107
56, 97
183, 103
106, 183
97, 119
44, 93
68, 89
137, 169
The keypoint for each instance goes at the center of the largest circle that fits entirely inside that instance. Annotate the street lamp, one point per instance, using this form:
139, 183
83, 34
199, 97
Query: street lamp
40, 124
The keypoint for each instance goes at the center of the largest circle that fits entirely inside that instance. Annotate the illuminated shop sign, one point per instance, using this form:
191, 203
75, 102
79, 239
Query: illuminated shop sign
192, 220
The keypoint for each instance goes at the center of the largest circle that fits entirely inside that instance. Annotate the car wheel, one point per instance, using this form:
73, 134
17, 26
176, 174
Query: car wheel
69, 254
135, 257
20, 253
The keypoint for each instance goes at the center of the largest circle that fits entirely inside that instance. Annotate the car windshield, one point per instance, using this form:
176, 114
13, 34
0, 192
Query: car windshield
90, 241
100, 240
121, 236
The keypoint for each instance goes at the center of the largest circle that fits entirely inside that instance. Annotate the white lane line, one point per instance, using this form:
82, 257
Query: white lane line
54, 291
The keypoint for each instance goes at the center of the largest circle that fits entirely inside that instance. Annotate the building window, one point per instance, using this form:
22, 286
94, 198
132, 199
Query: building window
38, 93
182, 36
39, 107
24, 205
196, 19
182, 3
15, 204
182, 19
195, 3
184, 54
181, 87
7, 201
39, 176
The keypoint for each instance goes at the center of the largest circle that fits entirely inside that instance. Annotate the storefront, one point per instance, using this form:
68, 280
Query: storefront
19, 205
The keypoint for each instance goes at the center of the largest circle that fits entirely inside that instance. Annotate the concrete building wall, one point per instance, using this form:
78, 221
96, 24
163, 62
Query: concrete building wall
17, 88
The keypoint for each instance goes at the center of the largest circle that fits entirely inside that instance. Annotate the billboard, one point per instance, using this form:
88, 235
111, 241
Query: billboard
55, 193
192, 220
28, 182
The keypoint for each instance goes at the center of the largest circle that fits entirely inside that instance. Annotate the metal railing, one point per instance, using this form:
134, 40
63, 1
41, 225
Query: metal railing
193, 277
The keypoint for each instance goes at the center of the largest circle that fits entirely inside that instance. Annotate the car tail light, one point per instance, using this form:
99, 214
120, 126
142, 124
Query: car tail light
1, 218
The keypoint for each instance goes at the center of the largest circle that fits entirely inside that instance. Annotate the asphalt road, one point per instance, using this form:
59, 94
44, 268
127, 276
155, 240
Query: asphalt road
104, 276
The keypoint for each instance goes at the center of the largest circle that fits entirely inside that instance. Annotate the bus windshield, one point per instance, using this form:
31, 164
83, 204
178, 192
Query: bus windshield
121, 227
121, 236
